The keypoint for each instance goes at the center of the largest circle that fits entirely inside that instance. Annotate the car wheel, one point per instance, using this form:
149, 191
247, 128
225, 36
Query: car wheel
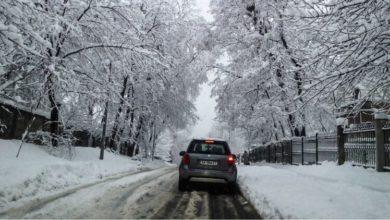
183, 184
233, 187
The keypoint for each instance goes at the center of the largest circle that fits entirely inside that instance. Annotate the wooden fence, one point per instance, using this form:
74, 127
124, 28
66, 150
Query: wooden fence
366, 144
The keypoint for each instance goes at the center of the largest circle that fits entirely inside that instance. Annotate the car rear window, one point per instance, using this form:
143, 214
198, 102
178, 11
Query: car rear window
202, 147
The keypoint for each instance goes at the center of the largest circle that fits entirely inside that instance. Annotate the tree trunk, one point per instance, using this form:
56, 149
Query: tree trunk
129, 112
137, 134
104, 124
154, 141
54, 110
131, 122
114, 132
282, 128
298, 80
90, 135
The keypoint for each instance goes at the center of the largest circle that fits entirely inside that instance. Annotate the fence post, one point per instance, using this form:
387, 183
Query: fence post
268, 153
275, 159
291, 151
282, 145
316, 148
302, 152
340, 145
379, 140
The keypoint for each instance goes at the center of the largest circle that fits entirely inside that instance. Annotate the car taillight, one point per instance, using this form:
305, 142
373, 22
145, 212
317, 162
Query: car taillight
186, 159
231, 160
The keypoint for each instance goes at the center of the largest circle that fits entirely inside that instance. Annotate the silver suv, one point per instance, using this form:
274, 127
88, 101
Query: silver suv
207, 158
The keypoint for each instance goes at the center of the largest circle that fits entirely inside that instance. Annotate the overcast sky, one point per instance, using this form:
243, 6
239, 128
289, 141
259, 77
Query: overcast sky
203, 6
205, 105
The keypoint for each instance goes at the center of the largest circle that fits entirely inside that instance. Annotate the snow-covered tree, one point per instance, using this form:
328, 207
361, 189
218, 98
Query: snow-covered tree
292, 63
351, 41
257, 86
139, 61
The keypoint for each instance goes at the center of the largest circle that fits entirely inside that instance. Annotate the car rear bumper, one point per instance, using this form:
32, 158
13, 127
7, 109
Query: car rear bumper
229, 176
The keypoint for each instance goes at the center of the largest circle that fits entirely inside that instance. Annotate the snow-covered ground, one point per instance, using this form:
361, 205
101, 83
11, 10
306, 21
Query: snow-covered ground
35, 173
323, 191
127, 197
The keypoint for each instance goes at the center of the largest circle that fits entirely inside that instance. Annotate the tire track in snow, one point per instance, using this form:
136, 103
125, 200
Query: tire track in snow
205, 200
126, 201
37, 203
197, 206
152, 194
60, 207
149, 197
170, 208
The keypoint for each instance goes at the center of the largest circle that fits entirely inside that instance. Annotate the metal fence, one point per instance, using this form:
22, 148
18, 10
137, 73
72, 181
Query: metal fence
321, 147
279, 152
359, 147
359, 143
302, 150
386, 134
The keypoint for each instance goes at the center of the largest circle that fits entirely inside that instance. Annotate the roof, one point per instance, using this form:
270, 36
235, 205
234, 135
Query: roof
19, 106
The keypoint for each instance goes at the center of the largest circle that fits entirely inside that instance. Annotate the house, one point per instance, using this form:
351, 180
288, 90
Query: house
15, 118
361, 111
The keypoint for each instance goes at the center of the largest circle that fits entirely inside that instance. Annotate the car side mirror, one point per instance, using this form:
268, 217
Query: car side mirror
182, 153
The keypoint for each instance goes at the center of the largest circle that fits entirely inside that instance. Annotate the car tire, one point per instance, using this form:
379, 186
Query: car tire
183, 184
232, 187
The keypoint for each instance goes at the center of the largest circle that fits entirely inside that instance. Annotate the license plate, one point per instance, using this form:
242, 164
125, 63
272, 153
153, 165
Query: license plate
208, 162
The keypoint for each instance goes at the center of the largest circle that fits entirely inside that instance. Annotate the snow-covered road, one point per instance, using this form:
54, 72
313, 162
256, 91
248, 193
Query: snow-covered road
145, 194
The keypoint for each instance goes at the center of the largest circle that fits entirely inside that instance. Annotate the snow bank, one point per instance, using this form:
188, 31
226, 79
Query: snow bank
36, 173
323, 191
